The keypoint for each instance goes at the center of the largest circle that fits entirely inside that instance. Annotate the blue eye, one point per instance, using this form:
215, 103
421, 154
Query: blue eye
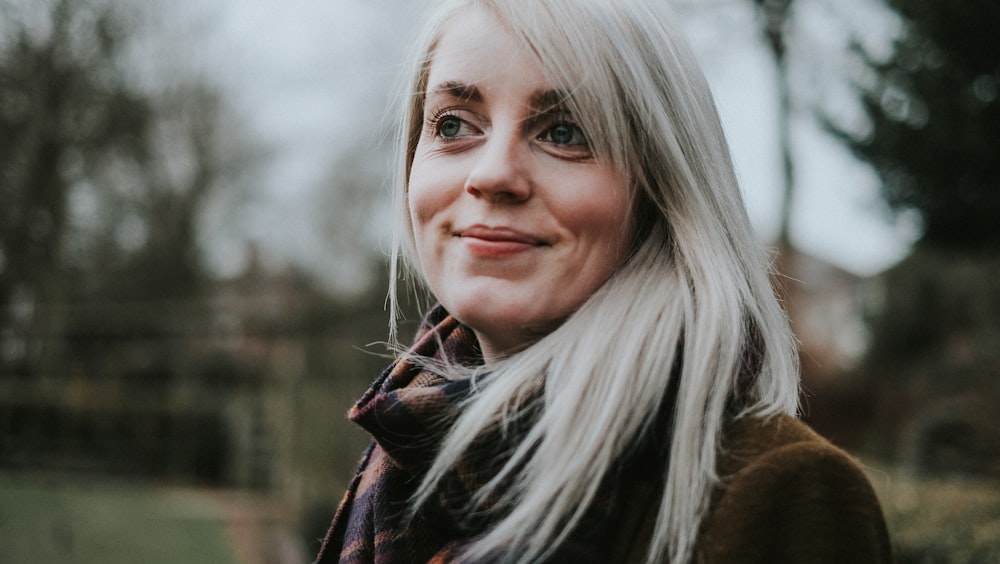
566, 134
450, 126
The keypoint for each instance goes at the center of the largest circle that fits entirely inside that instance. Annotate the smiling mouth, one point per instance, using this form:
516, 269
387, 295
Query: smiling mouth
499, 235
498, 242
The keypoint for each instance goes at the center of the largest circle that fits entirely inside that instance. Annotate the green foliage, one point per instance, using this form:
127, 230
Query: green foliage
934, 111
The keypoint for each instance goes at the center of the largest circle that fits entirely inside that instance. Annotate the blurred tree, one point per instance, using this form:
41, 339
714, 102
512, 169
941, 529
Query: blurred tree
776, 14
933, 130
934, 121
150, 200
103, 182
64, 107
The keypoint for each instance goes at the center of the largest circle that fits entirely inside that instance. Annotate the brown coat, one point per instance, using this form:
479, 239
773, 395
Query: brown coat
788, 495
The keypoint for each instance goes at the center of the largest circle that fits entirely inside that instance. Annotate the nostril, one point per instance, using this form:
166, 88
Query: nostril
507, 187
498, 193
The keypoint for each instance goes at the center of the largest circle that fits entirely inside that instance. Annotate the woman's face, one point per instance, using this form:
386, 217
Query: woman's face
516, 224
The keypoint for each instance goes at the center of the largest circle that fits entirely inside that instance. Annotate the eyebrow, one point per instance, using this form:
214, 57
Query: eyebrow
548, 101
459, 90
541, 102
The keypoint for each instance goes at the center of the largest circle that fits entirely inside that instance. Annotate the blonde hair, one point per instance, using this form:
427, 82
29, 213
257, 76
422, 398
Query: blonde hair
690, 310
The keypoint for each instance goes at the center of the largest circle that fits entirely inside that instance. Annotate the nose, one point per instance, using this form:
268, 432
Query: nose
500, 172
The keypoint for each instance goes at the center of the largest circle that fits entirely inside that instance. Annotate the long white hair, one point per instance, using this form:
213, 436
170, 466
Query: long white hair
690, 310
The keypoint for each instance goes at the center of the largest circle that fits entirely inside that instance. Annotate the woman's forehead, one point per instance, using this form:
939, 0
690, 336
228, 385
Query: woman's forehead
475, 47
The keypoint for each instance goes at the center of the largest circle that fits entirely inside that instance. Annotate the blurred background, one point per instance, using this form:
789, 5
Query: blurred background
192, 257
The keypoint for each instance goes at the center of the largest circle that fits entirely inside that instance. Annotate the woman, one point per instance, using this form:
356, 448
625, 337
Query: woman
607, 376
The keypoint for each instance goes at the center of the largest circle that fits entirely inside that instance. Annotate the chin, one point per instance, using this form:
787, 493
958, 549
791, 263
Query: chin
509, 330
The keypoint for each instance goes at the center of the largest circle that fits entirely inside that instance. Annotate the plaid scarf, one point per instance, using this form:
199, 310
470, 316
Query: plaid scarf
408, 411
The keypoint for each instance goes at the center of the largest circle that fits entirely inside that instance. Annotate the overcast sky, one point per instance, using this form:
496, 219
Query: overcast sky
312, 78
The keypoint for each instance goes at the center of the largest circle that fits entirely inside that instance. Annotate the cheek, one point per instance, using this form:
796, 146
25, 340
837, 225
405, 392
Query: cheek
428, 194
427, 200
606, 218
419, 203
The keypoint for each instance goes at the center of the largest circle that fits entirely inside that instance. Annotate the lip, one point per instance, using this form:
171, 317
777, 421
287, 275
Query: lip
484, 241
499, 235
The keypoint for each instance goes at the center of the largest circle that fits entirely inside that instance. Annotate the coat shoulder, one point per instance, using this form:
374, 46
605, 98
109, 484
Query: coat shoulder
788, 495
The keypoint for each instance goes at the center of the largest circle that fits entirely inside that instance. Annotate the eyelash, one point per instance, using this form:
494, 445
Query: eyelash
434, 122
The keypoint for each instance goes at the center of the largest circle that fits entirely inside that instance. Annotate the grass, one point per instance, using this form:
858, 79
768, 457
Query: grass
55, 521
931, 521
